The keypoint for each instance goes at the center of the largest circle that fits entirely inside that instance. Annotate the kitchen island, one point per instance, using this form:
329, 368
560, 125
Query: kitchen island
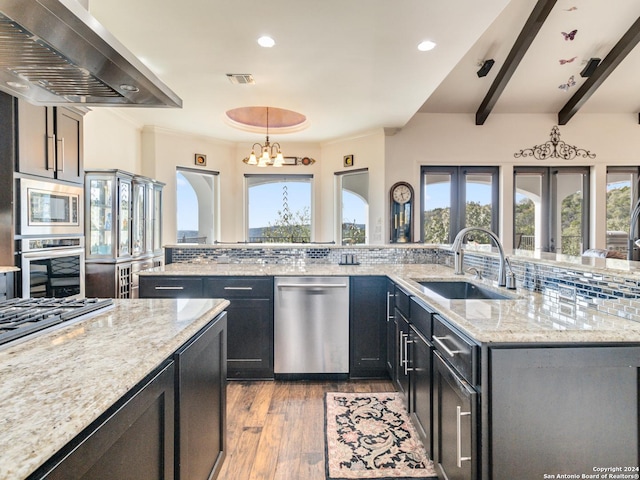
540, 383
57, 384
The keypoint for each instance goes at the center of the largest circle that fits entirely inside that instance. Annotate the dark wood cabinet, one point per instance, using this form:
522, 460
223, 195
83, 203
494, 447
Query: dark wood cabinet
165, 286
391, 331
249, 324
401, 338
421, 373
368, 327
575, 406
133, 440
50, 142
200, 403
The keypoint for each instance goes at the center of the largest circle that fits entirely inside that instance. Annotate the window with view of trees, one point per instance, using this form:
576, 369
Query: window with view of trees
551, 208
279, 208
622, 194
457, 197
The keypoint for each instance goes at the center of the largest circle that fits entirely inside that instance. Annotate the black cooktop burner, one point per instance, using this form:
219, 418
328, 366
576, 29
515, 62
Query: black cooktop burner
20, 317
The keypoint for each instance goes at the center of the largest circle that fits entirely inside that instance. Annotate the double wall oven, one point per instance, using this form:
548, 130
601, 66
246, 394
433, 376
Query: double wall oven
50, 239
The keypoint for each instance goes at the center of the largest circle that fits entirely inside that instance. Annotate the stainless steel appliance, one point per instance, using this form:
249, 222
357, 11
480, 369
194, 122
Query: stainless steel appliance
60, 54
23, 318
53, 267
311, 330
50, 208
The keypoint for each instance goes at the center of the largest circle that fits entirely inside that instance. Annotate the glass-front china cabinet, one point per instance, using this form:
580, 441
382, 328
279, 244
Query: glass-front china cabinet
123, 231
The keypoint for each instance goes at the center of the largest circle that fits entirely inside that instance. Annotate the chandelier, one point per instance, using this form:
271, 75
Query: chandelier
271, 156
554, 148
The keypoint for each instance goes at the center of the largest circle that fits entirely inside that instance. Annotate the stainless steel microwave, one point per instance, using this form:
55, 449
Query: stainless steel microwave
49, 208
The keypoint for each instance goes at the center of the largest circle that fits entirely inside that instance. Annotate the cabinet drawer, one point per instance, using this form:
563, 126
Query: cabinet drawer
421, 318
402, 301
230, 287
170, 287
459, 351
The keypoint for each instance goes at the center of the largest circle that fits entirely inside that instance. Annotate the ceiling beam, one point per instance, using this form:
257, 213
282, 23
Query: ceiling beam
531, 28
621, 49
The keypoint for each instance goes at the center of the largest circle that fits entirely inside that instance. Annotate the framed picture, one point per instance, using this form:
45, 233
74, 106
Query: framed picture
348, 160
201, 159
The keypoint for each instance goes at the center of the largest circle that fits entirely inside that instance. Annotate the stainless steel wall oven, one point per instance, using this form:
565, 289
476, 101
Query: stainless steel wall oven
53, 267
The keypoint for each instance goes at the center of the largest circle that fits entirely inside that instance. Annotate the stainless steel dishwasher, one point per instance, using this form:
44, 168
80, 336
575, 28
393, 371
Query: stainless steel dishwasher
311, 331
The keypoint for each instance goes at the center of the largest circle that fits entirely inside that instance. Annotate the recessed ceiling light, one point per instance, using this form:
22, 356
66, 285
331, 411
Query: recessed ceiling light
266, 42
426, 46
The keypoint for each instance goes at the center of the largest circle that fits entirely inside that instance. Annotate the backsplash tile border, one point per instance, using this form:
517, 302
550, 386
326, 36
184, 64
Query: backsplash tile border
613, 294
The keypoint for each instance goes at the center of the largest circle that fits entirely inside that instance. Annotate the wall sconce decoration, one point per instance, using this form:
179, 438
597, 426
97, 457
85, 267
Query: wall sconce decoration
554, 148
348, 161
200, 160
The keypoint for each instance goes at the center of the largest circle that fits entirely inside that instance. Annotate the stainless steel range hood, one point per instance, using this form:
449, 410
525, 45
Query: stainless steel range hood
53, 52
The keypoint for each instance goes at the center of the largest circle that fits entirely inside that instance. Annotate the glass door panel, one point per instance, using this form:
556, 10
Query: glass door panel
100, 217
621, 197
528, 218
478, 205
125, 217
137, 233
437, 207
569, 212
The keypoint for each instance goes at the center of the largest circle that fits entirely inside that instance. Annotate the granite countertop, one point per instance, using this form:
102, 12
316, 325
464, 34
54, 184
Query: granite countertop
56, 384
529, 318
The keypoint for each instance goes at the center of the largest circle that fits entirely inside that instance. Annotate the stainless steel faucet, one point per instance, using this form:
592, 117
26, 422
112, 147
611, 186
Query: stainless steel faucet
458, 255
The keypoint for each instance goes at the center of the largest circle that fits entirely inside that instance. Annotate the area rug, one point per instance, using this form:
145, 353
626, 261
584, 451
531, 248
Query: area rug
369, 435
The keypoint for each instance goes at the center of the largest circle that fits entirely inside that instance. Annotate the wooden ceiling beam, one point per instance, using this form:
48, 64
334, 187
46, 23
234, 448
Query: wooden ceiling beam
621, 49
531, 28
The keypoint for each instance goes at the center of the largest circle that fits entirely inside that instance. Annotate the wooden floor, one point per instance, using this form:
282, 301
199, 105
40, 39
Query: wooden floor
275, 429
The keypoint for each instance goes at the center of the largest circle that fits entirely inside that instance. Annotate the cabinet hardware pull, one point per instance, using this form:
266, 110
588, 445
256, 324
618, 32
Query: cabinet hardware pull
312, 285
238, 288
451, 353
177, 287
51, 142
60, 155
406, 353
459, 457
400, 350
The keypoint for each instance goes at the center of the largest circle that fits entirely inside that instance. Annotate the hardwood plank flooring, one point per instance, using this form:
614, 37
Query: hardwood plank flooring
275, 429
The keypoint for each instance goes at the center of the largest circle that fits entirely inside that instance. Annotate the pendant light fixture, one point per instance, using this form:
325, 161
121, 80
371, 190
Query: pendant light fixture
270, 155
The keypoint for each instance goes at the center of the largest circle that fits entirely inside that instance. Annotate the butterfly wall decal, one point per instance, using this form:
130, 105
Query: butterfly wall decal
571, 35
570, 83
569, 60
570, 9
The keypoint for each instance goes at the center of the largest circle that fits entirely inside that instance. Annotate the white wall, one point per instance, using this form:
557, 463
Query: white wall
111, 140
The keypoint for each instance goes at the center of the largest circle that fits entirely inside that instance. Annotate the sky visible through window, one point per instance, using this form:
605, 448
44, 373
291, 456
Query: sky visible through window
438, 195
264, 211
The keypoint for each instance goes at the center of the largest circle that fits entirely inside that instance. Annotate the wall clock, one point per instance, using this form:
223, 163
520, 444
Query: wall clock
401, 218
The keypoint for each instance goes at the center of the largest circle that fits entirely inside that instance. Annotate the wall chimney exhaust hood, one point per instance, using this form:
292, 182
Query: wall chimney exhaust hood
53, 52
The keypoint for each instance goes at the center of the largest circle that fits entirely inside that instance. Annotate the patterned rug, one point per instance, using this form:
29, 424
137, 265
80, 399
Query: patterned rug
369, 435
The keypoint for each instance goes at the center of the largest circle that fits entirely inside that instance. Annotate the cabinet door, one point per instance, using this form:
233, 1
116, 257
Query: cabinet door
420, 384
576, 407
454, 424
138, 219
249, 323
402, 358
368, 327
36, 151
170, 287
69, 148
134, 441
201, 403
392, 346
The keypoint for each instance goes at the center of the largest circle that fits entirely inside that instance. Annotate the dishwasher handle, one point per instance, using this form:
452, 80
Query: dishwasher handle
312, 285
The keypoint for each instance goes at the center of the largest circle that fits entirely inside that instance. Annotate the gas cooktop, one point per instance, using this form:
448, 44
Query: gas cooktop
22, 317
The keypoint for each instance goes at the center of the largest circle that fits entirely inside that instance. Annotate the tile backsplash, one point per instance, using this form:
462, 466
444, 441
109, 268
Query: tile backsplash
615, 293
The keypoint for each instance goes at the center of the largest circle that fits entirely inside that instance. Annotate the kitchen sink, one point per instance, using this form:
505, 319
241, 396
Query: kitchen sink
461, 290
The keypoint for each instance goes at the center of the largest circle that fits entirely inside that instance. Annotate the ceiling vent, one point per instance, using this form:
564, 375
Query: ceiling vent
241, 78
